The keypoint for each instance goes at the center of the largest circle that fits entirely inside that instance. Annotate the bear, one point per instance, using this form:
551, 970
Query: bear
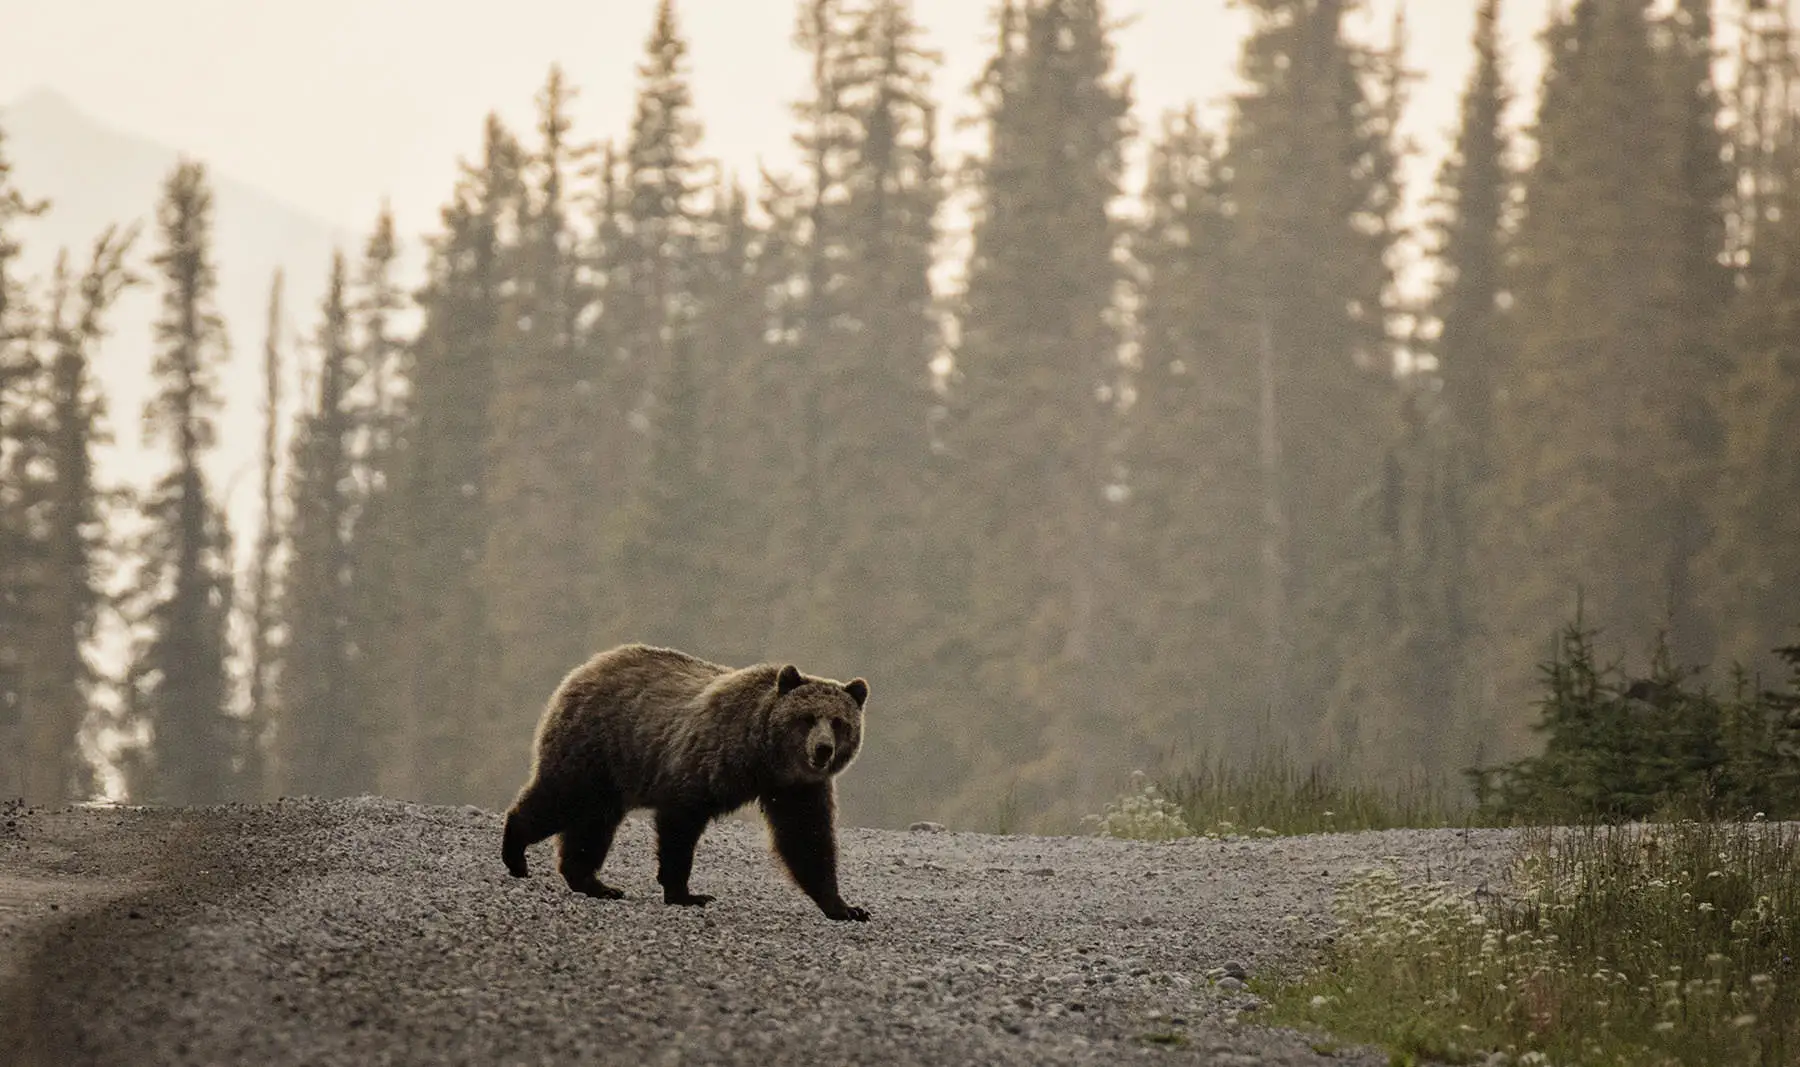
645, 727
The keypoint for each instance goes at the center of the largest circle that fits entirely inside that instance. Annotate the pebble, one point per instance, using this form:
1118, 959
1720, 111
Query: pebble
335, 932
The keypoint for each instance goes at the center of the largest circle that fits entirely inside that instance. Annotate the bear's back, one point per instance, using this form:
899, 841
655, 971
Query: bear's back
655, 722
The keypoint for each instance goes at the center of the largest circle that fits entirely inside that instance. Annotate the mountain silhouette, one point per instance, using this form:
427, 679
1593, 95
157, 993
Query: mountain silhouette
94, 177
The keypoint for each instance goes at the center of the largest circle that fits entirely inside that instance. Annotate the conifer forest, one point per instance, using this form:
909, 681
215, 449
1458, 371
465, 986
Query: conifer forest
1100, 449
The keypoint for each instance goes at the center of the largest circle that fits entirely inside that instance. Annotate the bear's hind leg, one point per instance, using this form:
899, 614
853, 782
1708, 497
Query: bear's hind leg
585, 843
677, 834
532, 818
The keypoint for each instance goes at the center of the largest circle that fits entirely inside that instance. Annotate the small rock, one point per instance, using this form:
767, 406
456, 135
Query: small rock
927, 828
1231, 985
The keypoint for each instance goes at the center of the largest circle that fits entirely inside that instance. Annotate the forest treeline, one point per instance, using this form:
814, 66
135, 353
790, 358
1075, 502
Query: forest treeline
1169, 468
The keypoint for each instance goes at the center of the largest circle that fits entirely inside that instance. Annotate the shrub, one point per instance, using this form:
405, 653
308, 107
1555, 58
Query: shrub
1142, 815
1641, 945
1621, 748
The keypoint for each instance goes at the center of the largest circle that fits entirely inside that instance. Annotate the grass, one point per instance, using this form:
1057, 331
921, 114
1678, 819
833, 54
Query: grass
1269, 794
1668, 944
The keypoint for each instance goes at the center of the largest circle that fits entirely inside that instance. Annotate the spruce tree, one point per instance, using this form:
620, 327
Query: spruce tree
541, 570
71, 596
322, 736
1192, 556
1418, 632
1697, 295
738, 474
1750, 570
21, 485
1476, 187
1311, 154
381, 405
450, 728
1603, 439
263, 584
871, 371
178, 681
653, 303
1037, 367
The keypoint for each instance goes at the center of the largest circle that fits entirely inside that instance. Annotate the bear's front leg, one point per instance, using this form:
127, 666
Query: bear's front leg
800, 819
677, 834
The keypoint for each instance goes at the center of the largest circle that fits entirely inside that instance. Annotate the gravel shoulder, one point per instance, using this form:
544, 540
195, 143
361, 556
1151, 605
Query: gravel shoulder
370, 931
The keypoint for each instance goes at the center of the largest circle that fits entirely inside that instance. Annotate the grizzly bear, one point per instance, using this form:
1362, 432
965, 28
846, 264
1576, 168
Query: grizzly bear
642, 727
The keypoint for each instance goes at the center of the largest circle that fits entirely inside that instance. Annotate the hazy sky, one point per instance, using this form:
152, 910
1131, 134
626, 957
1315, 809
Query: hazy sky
333, 104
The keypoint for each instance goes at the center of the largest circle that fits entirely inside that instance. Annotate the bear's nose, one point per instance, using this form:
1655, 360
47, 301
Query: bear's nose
821, 754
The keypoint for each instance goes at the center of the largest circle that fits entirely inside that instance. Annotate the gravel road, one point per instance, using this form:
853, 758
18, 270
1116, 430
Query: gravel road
370, 931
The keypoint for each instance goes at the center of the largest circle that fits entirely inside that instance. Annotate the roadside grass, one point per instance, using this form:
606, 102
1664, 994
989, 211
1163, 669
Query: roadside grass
1270, 794
1630, 945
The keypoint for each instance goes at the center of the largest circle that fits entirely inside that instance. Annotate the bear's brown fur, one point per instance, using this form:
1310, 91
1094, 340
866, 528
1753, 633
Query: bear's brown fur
642, 727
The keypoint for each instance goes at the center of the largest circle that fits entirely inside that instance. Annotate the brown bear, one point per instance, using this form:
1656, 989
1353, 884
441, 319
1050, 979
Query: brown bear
642, 727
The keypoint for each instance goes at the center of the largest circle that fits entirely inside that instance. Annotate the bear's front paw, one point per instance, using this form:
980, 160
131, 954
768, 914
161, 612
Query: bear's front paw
599, 891
846, 913
688, 900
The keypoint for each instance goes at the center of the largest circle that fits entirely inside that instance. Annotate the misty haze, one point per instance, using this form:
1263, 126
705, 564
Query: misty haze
1198, 420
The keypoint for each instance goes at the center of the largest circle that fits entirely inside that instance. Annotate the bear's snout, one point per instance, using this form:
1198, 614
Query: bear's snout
821, 756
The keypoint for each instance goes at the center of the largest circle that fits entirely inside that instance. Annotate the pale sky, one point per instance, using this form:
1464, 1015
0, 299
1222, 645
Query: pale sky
331, 105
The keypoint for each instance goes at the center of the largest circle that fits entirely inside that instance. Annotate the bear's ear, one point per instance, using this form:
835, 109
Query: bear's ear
858, 690
788, 680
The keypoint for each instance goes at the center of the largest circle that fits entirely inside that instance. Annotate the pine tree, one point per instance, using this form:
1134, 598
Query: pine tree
653, 302
1192, 545
872, 379
323, 739
1312, 157
1418, 633
263, 592
178, 682
738, 471
1697, 297
1750, 571
1477, 186
1037, 366
71, 598
21, 484
1602, 437
381, 406
541, 570
450, 726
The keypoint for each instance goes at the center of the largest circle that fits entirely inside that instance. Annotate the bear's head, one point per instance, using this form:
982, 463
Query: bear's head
816, 723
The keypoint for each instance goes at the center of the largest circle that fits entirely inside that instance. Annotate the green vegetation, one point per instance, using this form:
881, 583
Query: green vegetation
1618, 747
1272, 794
1613, 945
